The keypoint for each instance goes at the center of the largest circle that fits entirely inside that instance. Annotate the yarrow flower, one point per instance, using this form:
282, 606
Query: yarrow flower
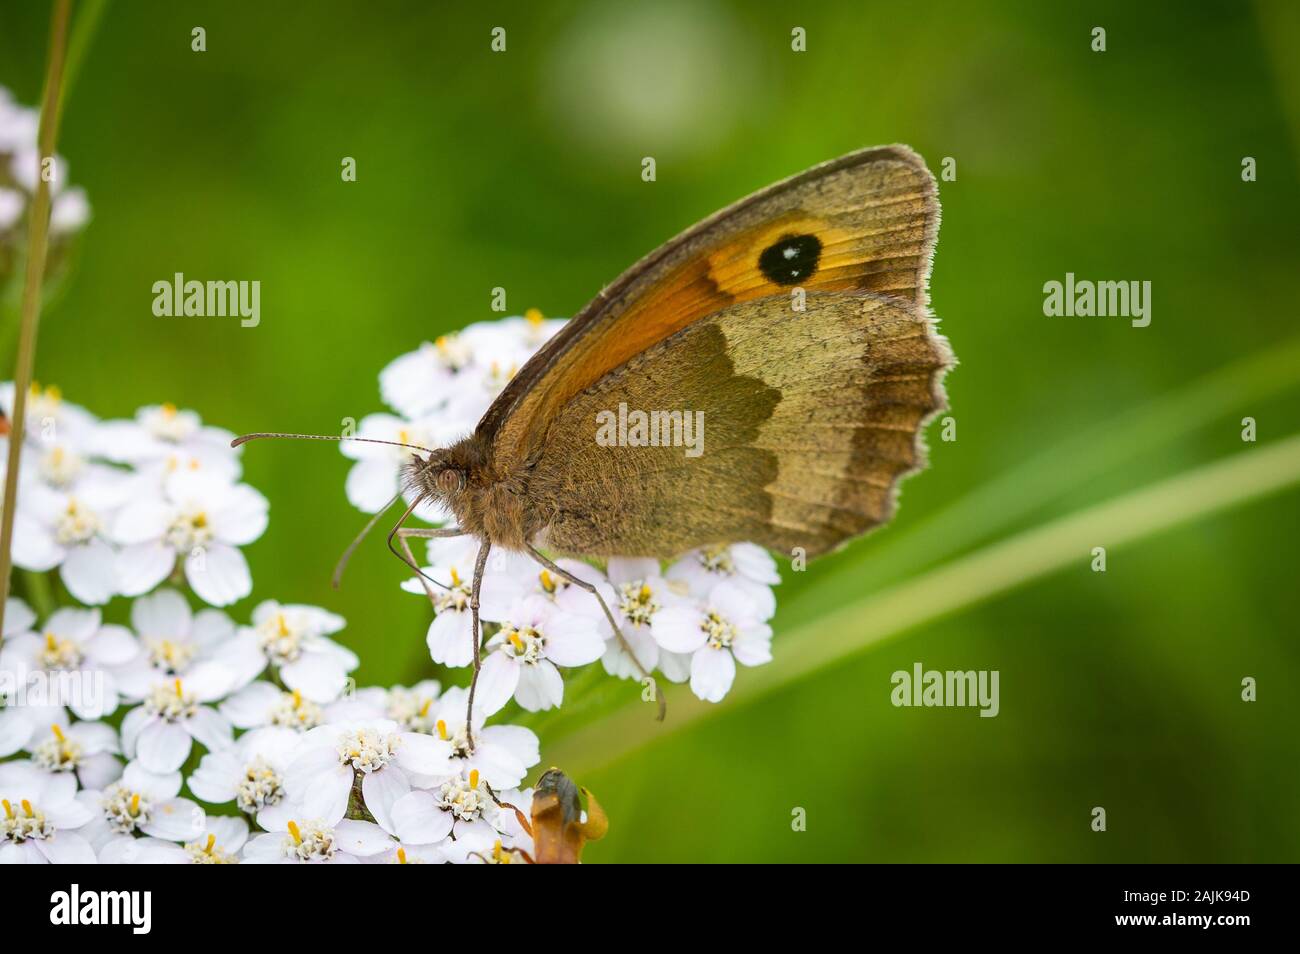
261, 704
86, 749
163, 439
294, 639
251, 773
41, 817
724, 630
332, 757
20, 165
219, 843
161, 731
139, 803
78, 657
151, 508
460, 373
460, 816
451, 569
302, 840
535, 638
197, 520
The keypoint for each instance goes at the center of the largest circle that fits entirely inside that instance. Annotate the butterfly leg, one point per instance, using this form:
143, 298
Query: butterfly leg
402, 532
432, 533
480, 564
618, 632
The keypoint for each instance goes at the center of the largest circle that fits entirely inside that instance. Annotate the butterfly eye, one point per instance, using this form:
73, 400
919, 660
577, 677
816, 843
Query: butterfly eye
791, 259
450, 481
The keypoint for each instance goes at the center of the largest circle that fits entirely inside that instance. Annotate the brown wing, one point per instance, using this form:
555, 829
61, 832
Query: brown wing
865, 222
810, 419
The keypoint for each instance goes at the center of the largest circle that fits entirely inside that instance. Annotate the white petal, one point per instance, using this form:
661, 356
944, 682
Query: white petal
16, 730
132, 723
753, 645
712, 672
371, 483
18, 616
573, 640
211, 627
630, 569
67, 848
216, 779
736, 602
112, 646
450, 638
34, 546
251, 706
99, 771
755, 563
161, 615
210, 728
177, 819
618, 663
361, 838
218, 574
90, 572
520, 742
231, 832
241, 518
97, 697
381, 790
497, 681
318, 676
678, 629
143, 521
162, 746
321, 791
540, 687
419, 820
142, 566
424, 754
162, 786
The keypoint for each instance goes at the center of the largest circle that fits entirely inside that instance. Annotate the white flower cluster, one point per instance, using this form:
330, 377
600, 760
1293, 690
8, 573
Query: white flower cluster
694, 619
113, 733
20, 167
104, 725
119, 506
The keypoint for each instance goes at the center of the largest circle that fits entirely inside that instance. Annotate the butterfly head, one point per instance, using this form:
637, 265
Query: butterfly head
445, 475
437, 477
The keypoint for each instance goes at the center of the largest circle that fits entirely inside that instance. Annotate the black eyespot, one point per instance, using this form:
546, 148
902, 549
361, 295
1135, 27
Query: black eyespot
791, 259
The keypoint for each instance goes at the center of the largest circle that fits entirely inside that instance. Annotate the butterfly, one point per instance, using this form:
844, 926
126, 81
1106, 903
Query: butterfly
793, 326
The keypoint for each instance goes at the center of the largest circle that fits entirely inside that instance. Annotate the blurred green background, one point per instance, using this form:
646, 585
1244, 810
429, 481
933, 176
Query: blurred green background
522, 170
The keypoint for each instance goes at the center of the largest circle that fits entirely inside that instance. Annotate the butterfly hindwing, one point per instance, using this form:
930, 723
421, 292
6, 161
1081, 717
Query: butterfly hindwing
803, 422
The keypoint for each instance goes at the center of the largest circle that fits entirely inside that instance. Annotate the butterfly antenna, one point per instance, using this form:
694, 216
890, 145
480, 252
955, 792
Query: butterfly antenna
342, 565
324, 437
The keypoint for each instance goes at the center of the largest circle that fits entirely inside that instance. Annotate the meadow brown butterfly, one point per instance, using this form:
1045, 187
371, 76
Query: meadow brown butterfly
793, 326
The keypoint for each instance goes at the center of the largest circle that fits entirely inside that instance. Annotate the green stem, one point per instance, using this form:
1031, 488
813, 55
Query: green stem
37, 245
964, 582
357, 801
